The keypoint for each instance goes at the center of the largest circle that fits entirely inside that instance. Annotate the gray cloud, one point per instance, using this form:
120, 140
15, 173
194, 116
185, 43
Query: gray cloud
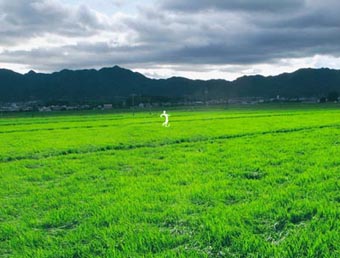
178, 33
225, 37
233, 5
32, 18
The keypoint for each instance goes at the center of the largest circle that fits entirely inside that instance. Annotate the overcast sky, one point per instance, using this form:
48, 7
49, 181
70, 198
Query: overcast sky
200, 39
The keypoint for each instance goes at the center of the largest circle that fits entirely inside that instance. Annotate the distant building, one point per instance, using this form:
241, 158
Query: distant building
45, 109
107, 106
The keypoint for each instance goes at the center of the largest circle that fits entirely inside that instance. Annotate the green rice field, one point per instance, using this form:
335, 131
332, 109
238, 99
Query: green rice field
261, 182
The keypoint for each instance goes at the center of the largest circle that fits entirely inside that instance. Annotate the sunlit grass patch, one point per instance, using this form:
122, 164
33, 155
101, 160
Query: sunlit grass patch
214, 184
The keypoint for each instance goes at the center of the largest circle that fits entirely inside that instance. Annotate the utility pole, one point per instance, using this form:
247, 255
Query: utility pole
133, 95
206, 95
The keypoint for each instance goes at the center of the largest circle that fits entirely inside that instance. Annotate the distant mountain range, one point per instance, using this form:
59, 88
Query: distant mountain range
112, 84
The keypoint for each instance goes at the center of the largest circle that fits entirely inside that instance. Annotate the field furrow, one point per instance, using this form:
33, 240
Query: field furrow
40, 155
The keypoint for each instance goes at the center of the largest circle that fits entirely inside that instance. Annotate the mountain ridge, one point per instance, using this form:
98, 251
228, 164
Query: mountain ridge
112, 83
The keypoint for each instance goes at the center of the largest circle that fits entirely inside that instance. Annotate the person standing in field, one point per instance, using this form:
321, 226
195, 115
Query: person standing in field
166, 122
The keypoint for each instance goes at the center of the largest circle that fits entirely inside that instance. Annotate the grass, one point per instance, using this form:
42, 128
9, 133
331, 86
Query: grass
217, 183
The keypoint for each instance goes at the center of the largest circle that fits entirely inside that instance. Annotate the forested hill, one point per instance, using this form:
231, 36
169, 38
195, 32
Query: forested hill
108, 84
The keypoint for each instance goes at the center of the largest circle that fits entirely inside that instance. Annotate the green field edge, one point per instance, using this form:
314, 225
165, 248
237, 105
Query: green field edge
143, 122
